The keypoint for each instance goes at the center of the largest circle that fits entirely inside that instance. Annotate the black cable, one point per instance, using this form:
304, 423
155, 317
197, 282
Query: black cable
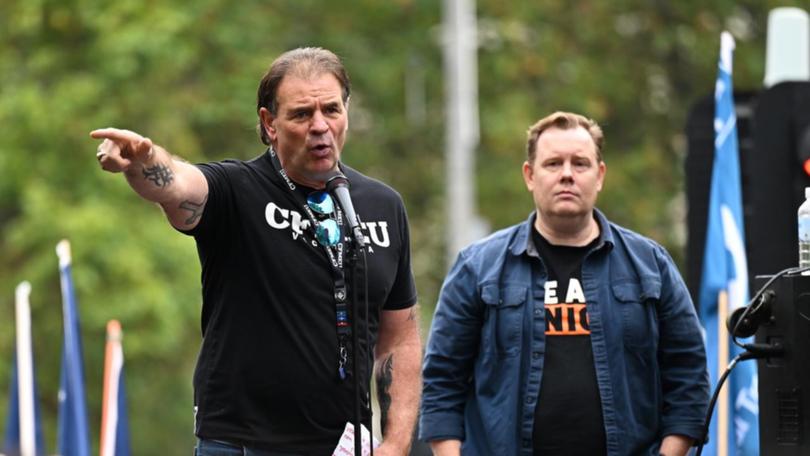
755, 351
713, 401
358, 417
365, 376
369, 356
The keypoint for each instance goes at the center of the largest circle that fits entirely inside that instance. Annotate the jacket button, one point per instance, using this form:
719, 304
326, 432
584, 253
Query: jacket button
527, 442
529, 399
535, 355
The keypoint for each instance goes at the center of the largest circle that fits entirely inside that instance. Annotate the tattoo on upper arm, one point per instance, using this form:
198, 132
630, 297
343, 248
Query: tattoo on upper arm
384, 377
412, 314
196, 210
161, 175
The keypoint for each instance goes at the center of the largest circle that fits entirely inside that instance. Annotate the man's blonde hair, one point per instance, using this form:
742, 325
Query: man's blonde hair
565, 121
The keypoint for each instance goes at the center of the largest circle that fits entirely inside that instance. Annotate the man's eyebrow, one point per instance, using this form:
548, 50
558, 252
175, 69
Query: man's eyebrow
300, 106
299, 109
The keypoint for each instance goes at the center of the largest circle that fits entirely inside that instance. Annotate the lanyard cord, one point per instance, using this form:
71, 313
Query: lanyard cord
336, 261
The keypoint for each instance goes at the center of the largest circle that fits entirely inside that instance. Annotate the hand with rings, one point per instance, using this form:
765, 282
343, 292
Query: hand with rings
120, 148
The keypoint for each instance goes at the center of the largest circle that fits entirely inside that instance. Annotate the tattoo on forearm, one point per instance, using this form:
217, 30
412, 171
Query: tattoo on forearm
161, 175
196, 210
384, 377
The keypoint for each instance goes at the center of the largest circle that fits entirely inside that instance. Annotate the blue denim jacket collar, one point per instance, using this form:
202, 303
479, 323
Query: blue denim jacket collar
522, 243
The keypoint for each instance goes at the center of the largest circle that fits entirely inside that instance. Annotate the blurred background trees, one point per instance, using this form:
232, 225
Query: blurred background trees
185, 74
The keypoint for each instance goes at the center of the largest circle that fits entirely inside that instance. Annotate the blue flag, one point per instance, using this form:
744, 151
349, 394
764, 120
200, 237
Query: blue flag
72, 433
122, 422
23, 426
13, 444
725, 269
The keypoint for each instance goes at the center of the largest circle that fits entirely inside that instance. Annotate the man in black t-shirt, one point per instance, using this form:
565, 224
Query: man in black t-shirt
274, 374
565, 335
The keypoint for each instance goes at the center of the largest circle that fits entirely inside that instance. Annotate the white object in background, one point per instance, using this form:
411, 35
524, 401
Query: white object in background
462, 128
25, 371
345, 446
787, 56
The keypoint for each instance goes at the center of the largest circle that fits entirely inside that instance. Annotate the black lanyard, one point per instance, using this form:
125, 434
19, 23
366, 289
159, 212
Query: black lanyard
336, 258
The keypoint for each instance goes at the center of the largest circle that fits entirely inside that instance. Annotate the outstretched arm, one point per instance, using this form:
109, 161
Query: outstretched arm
179, 188
399, 384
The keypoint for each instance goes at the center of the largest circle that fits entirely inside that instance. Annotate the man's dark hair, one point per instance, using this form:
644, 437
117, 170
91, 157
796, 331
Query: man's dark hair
301, 62
564, 121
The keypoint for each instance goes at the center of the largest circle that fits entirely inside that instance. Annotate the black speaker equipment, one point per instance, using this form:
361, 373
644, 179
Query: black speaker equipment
784, 380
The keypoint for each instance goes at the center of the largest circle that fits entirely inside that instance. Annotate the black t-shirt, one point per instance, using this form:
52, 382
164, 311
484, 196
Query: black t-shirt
266, 374
568, 416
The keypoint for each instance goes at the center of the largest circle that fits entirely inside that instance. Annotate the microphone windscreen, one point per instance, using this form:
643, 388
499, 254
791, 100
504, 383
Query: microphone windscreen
338, 180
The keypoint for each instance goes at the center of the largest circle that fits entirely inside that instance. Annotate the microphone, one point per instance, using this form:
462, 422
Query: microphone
338, 185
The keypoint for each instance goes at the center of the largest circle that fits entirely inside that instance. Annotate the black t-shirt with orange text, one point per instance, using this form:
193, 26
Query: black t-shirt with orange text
568, 415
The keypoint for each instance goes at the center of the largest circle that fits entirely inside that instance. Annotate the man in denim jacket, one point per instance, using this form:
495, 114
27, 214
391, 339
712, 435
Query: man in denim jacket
565, 334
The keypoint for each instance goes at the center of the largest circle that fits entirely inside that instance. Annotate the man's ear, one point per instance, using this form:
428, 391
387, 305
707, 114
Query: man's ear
528, 175
346, 107
601, 177
268, 123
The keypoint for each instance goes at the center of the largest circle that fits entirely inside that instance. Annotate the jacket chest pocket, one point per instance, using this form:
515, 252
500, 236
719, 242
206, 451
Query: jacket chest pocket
504, 310
637, 306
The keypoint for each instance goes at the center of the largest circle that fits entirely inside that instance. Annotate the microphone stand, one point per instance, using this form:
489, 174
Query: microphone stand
338, 185
353, 251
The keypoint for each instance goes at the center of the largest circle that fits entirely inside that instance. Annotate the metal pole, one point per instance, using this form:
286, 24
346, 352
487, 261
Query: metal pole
461, 134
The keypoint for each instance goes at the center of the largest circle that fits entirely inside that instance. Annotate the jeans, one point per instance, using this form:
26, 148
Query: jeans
218, 448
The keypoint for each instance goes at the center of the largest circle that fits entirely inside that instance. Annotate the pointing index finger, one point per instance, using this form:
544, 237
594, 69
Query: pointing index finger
116, 134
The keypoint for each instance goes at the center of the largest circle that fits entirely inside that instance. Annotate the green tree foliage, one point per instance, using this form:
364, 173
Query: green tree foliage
185, 74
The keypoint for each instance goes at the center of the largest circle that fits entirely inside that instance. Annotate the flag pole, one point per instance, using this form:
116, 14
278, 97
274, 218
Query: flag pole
113, 361
25, 370
722, 364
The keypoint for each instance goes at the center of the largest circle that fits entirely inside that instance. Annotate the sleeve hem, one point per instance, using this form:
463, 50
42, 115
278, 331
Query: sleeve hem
441, 426
692, 431
401, 305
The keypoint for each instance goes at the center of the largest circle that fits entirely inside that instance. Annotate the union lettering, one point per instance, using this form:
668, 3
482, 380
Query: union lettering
568, 319
374, 233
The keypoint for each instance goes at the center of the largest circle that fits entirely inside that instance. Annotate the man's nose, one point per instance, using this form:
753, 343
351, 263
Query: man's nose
567, 169
319, 124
